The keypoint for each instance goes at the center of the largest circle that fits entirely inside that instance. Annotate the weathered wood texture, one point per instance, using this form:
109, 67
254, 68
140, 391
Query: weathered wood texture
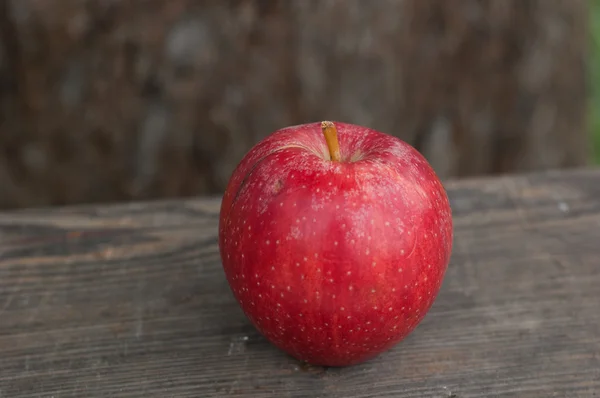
130, 301
112, 100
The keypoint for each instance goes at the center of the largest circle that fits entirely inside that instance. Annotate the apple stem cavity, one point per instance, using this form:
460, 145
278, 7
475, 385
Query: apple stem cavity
330, 133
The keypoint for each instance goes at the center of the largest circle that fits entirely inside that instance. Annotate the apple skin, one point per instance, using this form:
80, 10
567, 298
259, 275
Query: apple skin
334, 262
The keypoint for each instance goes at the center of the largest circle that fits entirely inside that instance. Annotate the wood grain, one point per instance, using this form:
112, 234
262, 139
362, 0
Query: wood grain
130, 301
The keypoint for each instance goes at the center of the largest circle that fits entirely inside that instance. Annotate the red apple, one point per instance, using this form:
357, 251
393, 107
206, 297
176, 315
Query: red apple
334, 239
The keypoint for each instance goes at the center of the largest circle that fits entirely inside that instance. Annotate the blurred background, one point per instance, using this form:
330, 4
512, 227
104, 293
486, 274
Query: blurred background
118, 100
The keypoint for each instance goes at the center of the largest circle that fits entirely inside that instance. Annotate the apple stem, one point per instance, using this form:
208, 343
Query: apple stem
330, 133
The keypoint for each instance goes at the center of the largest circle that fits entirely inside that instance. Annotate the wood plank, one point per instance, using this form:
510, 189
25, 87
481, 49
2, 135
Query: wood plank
130, 301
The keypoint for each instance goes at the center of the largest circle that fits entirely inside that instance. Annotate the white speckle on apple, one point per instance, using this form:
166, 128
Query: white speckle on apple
272, 268
268, 242
350, 287
277, 242
342, 308
400, 269
367, 252
349, 273
373, 290
305, 259
375, 307
335, 243
393, 289
305, 301
373, 264
389, 309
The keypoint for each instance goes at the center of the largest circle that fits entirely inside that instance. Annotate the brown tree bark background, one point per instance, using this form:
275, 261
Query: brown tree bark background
118, 100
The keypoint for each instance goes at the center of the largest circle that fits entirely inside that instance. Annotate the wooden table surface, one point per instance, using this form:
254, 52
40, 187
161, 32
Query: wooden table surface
131, 301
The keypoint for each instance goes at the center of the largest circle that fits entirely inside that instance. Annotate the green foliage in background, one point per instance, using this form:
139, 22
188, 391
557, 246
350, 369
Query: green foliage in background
595, 77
